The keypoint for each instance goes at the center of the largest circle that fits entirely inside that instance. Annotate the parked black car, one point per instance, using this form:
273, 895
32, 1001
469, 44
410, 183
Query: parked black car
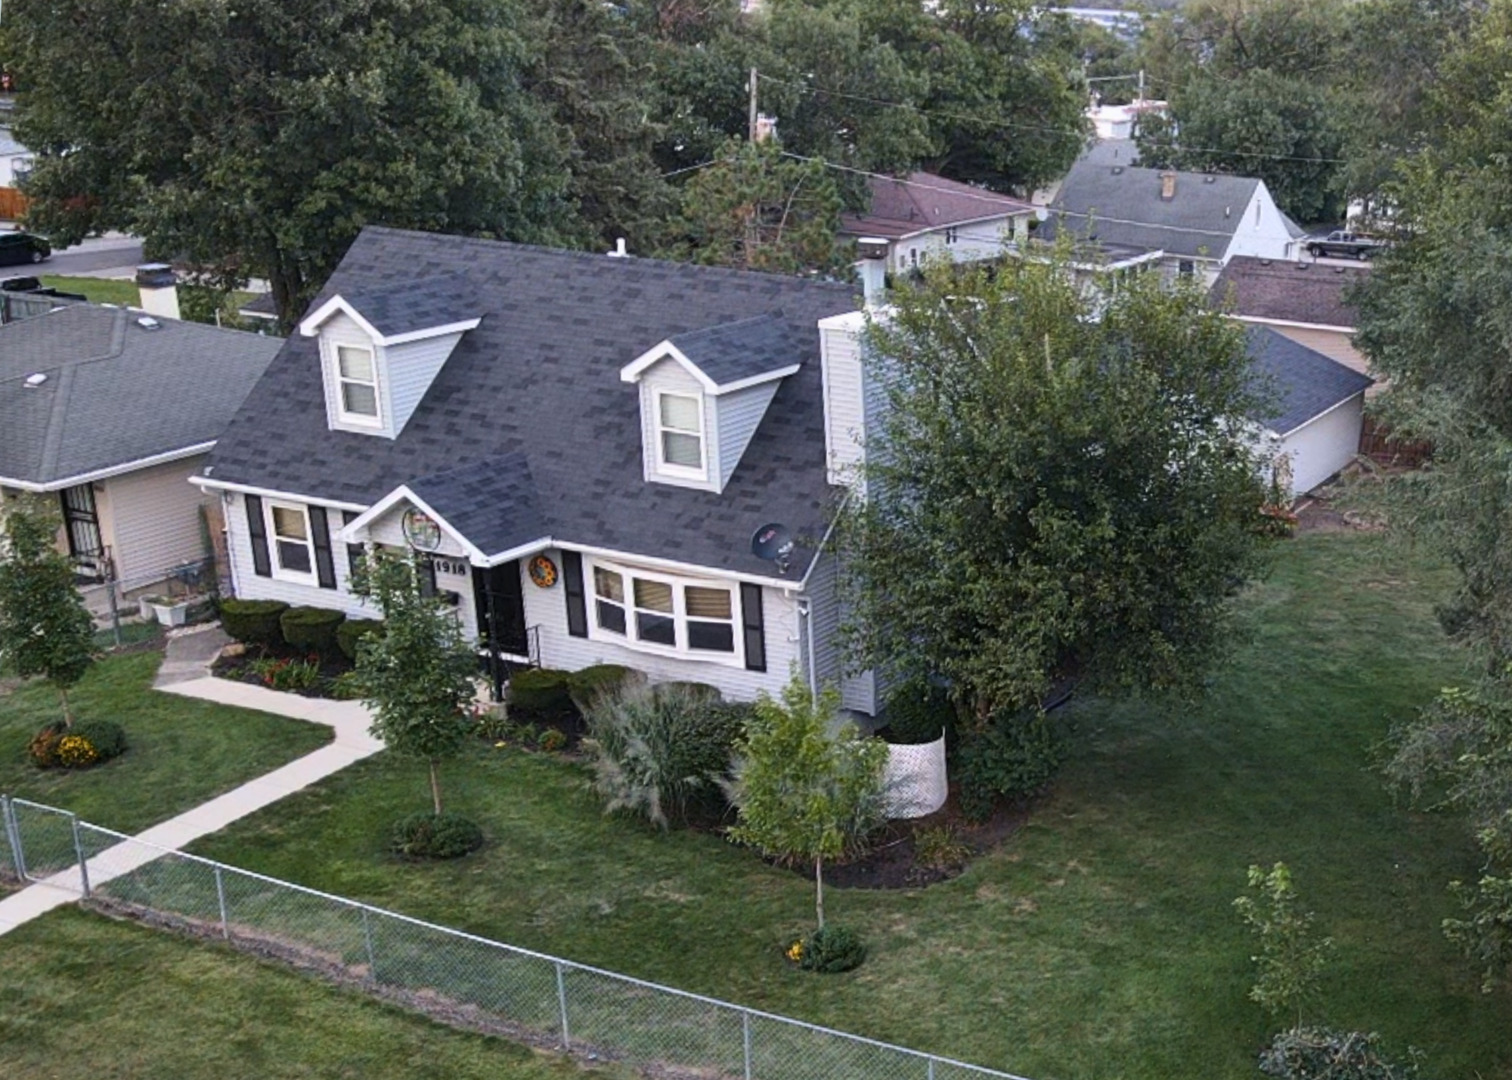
1345, 245
23, 247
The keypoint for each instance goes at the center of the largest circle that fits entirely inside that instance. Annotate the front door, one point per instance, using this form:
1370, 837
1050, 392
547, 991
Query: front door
81, 520
500, 599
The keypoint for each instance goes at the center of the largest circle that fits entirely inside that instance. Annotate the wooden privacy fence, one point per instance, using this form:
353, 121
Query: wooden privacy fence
12, 203
1377, 444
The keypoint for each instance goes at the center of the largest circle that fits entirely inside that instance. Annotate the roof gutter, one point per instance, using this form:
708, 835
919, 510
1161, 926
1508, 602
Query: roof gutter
1292, 324
1314, 419
110, 470
208, 483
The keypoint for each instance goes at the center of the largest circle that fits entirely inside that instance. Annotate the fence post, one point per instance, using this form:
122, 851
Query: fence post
931, 1069
745, 1033
79, 851
367, 940
562, 1001
13, 833
220, 896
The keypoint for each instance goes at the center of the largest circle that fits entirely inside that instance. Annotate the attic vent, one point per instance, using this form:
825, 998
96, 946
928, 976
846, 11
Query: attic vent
147, 322
1209, 179
1117, 170
34, 381
1265, 262
1228, 211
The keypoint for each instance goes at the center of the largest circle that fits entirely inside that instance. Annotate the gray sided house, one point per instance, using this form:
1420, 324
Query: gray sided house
924, 217
111, 413
584, 445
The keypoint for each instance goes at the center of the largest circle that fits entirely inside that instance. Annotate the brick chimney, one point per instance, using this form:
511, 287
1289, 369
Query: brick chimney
1167, 186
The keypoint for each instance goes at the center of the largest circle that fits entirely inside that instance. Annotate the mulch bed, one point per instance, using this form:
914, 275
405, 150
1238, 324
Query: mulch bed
239, 668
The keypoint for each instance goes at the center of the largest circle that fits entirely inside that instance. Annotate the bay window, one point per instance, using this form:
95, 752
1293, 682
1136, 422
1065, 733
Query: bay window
646, 608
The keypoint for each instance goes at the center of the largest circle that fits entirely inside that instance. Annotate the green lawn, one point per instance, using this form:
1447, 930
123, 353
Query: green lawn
180, 753
115, 291
1098, 942
83, 996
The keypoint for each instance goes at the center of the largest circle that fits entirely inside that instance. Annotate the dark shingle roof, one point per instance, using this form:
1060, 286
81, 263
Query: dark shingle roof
492, 502
427, 301
260, 306
925, 201
1124, 207
1301, 292
539, 377
115, 392
1307, 383
745, 349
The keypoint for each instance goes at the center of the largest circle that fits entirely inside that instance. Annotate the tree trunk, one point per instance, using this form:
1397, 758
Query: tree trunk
68, 717
435, 778
819, 888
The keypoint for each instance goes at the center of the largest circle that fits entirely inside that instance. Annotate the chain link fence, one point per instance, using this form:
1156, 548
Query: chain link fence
457, 977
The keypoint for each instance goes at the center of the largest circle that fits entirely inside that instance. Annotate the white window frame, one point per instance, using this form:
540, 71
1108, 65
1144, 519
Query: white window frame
630, 639
275, 557
669, 468
952, 235
338, 380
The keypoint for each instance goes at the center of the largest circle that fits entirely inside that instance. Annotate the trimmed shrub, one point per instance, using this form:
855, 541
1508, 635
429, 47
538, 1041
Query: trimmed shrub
916, 712
43, 748
831, 950
349, 633
253, 622
311, 628
591, 683
551, 739
700, 691
540, 692
1015, 756
1322, 1054
106, 736
655, 748
435, 836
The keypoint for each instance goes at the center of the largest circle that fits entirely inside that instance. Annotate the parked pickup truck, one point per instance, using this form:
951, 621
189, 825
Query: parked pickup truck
1344, 245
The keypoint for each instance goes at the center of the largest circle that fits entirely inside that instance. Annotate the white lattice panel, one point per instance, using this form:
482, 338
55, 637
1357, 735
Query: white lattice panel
915, 779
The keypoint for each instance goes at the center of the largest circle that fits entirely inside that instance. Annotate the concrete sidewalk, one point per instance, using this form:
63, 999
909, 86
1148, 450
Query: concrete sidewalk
348, 719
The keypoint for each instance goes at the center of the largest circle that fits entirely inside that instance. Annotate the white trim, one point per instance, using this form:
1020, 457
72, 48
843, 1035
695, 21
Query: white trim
633, 371
675, 567
402, 492
272, 493
310, 325
660, 430
631, 639
1260, 320
1027, 211
1315, 418
343, 415
110, 470
275, 561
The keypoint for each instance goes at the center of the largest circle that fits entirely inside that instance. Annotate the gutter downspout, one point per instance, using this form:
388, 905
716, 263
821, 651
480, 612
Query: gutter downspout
806, 630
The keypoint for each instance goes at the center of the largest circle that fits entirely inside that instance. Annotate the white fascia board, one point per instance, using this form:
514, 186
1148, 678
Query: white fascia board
829, 532
430, 332
687, 569
1027, 211
632, 371
402, 493
111, 470
1291, 324
850, 320
210, 483
755, 380
1314, 419
310, 325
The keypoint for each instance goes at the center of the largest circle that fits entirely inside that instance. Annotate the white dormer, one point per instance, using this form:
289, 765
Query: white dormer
703, 395
380, 350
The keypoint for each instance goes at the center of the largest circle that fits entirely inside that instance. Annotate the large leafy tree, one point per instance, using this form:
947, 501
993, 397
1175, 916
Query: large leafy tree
419, 675
259, 137
44, 627
1063, 486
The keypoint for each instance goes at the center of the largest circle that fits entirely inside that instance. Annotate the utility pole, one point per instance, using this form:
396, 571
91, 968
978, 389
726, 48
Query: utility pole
1140, 97
751, 127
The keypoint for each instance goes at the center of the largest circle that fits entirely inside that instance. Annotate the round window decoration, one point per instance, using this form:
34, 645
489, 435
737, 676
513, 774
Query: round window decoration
543, 571
422, 533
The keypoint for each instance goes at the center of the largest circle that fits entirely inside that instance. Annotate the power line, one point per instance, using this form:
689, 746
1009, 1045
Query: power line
1024, 126
688, 169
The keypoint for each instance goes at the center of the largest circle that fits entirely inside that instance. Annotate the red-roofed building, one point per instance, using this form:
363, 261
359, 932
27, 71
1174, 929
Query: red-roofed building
923, 216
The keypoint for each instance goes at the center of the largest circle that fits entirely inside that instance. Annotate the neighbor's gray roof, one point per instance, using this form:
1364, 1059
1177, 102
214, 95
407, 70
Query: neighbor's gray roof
1122, 205
1306, 382
745, 349
260, 306
919, 201
492, 502
427, 301
539, 377
1303, 292
115, 392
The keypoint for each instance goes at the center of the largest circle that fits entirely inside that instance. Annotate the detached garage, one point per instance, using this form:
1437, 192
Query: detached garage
1318, 407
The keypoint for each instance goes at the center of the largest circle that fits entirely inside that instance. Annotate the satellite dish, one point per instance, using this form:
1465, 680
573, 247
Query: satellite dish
774, 543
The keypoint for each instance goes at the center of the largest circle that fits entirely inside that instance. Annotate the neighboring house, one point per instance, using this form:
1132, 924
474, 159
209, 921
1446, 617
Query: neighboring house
584, 445
1199, 220
260, 309
1122, 121
923, 216
1102, 152
1304, 301
110, 414
1315, 417
15, 165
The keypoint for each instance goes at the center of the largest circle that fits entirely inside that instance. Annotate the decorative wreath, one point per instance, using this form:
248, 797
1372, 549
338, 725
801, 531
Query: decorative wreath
543, 571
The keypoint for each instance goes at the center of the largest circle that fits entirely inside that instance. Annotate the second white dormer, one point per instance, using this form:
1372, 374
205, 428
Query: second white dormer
380, 350
703, 395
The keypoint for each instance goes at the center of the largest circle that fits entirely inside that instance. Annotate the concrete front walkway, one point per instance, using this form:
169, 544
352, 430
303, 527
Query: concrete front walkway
184, 674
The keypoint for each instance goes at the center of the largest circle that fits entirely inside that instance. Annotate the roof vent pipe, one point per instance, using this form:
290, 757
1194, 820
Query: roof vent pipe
873, 271
621, 251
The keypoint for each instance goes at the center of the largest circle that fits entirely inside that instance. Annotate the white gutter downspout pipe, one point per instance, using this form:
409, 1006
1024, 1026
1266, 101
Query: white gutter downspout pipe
806, 629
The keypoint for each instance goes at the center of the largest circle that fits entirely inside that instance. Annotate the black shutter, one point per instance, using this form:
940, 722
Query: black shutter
355, 552
257, 530
320, 536
427, 576
577, 602
753, 626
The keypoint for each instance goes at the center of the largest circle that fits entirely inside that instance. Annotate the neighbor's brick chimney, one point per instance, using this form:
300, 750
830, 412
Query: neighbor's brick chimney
1167, 186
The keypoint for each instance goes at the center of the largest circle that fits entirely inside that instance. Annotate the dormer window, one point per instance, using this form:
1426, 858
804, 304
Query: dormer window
357, 375
680, 435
